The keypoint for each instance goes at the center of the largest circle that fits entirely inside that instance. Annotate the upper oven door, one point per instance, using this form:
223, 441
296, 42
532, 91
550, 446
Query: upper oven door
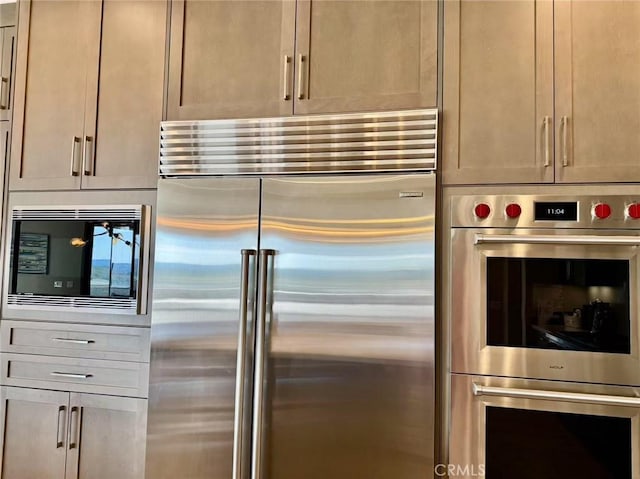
538, 304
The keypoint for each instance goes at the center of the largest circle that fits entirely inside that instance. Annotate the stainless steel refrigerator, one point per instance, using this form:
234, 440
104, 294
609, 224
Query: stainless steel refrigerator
293, 313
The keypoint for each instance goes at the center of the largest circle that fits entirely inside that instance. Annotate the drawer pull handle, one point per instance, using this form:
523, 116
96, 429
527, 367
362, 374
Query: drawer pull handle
71, 375
74, 341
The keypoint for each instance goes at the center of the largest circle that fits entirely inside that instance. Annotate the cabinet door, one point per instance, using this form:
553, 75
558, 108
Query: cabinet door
6, 71
498, 92
34, 440
106, 437
50, 94
354, 55
597, 65
5, 128
125, 88
230, 59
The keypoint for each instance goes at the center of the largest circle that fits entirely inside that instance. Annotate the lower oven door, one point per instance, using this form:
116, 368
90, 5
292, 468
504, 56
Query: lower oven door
546, 304
531, 429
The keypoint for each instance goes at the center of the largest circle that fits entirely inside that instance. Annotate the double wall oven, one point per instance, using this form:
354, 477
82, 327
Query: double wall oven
545, 333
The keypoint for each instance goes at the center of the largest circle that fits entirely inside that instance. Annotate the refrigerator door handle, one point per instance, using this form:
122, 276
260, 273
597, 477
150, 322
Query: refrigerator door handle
260, 363
238, 420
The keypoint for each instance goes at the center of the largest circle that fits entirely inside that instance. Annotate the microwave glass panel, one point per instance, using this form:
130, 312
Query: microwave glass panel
569, 304
75, 258
531, 444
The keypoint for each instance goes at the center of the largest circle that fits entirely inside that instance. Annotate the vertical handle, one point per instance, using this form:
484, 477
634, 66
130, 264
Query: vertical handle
547, 142
74, 170
4, 97
87, 156
60, 430
301, 59
564, 125
238, 419
260, 360
74, 428
285, 80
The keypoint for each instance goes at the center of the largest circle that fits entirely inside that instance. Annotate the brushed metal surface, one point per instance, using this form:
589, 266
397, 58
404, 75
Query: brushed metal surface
462, 206
343, 366
203, 225
468, 415
470, 352
349, 327
382, 141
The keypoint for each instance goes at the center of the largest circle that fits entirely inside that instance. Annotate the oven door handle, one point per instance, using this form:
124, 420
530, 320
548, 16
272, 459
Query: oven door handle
601, 399
558, 240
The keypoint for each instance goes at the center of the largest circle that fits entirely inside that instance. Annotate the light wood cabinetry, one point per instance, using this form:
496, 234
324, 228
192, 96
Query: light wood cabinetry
506, 64
7, 50
498, 89
597, 65
34, 430
61, 435
224, 62
302, 57
89, 86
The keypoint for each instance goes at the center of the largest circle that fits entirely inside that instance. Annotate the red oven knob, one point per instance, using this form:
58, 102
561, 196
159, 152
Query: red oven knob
482, 210
513, 210
601, 211
633, 211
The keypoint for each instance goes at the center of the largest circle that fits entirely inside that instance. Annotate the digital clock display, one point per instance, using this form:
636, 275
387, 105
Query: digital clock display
556, 211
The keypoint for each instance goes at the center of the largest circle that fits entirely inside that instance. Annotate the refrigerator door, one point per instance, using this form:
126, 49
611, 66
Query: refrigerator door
346, 387
198, 301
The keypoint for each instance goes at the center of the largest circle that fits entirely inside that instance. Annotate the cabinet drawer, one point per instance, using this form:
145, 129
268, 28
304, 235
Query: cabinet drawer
119, 378
73, 340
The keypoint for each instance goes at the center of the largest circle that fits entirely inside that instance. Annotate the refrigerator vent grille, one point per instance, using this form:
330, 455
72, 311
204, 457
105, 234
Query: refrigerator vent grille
74, 213
114, 305
363, 142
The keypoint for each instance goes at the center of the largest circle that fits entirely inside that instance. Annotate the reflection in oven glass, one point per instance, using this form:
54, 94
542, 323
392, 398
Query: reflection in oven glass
571, 304
528, 444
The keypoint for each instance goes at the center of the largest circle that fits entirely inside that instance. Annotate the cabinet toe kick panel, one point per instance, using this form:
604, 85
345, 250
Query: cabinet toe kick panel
121, 378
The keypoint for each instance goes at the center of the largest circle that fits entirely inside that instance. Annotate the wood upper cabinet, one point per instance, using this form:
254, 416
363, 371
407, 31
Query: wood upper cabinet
89, 86
230, 58
498, 91
357, 55
541, 91
597, 65
309, 56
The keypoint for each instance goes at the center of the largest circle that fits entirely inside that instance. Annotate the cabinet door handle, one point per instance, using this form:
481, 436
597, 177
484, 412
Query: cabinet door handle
70, 375
74, 170
547, 142
87, 156
285, 93
74, 427
4, 90
59, 437
564, 125
301, 59
73, 340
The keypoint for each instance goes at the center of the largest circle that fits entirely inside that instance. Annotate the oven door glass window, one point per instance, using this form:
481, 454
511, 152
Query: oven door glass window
530, 444
550, 303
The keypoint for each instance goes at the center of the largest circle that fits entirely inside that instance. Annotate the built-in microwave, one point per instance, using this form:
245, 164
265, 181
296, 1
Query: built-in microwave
76, 258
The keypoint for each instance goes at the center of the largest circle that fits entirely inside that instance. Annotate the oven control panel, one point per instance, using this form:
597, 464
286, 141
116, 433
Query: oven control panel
544, 211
